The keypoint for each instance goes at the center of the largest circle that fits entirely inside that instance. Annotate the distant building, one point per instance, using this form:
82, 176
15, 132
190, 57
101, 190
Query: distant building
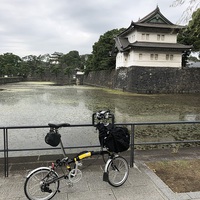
54, 58
150, 42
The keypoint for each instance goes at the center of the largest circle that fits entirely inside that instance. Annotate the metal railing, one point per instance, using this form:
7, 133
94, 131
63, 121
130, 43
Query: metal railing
132, 126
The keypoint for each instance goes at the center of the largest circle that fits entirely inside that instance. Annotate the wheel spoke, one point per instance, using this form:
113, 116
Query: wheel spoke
117, 171
35, 188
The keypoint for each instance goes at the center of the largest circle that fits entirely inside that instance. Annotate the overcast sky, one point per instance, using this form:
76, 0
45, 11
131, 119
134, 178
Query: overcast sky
34, 27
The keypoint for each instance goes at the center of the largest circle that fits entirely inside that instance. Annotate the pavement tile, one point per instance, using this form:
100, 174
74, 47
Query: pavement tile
91, 195
194, 195
182, 196
137, 193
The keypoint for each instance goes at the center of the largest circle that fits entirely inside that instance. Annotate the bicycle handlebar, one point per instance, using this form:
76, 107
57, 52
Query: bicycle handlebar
102, 115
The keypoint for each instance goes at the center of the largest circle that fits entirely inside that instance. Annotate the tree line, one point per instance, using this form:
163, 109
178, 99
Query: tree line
31, 65
99, 59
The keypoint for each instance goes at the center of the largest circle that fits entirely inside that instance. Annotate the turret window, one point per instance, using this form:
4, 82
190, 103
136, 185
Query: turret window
145, 36
160, 37
169, 57
154, 56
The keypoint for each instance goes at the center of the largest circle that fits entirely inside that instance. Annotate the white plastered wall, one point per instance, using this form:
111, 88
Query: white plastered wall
149, 59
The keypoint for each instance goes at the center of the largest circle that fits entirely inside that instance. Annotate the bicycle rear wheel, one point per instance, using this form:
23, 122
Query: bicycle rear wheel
35, 186
117, 171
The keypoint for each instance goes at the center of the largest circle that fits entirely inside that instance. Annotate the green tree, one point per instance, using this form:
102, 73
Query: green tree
35, 65
89, 64
72, 59
191, 35
32, 62
1, 65
24, 69
101, 58
10, 64
71, 62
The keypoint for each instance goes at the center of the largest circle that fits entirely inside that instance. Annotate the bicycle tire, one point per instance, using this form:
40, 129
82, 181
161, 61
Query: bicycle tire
34, 184
117, 171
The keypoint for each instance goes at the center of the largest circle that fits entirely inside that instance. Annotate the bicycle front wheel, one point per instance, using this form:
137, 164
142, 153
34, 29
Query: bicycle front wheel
117, 171
40, 184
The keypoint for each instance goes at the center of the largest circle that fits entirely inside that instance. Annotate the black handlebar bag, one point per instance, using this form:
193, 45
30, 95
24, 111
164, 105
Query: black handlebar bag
115, 139
118, 140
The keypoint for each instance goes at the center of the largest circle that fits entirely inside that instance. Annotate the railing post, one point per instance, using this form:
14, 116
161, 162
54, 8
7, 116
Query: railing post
5, 137
132, 146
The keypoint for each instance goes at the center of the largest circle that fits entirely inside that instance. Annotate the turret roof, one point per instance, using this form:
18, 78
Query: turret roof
155, 19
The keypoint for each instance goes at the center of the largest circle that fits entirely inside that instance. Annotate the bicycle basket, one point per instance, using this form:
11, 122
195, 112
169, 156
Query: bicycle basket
52, 138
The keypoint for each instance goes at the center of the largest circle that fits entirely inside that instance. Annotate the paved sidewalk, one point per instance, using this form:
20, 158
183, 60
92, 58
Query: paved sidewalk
142, 183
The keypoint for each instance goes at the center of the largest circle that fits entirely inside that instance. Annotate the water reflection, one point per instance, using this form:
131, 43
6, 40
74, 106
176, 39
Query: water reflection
32, 103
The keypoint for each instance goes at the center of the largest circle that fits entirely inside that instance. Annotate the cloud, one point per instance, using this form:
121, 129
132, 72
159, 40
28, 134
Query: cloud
45, 26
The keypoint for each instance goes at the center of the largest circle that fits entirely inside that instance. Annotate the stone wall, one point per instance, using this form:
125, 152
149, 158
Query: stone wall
10, 80
148, 79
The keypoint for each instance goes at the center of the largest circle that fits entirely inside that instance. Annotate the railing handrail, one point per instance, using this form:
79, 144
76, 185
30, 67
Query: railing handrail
132, 143
126, 124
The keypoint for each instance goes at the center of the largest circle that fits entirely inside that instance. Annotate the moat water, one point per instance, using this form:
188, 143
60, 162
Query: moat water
37, 103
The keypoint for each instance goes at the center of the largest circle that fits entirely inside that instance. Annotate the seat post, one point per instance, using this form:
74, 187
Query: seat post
62, 147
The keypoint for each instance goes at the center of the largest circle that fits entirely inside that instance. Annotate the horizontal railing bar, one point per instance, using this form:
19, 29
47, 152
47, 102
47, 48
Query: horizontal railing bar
81, 147
44, 126
172, 142
159, 123
54, 148
126, 124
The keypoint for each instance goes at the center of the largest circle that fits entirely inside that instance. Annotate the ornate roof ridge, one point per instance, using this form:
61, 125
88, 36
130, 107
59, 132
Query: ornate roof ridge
154, 14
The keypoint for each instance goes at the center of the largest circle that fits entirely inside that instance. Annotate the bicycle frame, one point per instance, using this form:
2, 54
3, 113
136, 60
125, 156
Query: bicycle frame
67, 161
47, 180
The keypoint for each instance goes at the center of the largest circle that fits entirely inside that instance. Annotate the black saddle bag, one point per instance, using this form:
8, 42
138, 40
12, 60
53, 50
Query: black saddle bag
52, 138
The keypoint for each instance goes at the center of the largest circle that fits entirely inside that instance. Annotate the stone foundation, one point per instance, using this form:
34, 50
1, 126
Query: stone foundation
148, 80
